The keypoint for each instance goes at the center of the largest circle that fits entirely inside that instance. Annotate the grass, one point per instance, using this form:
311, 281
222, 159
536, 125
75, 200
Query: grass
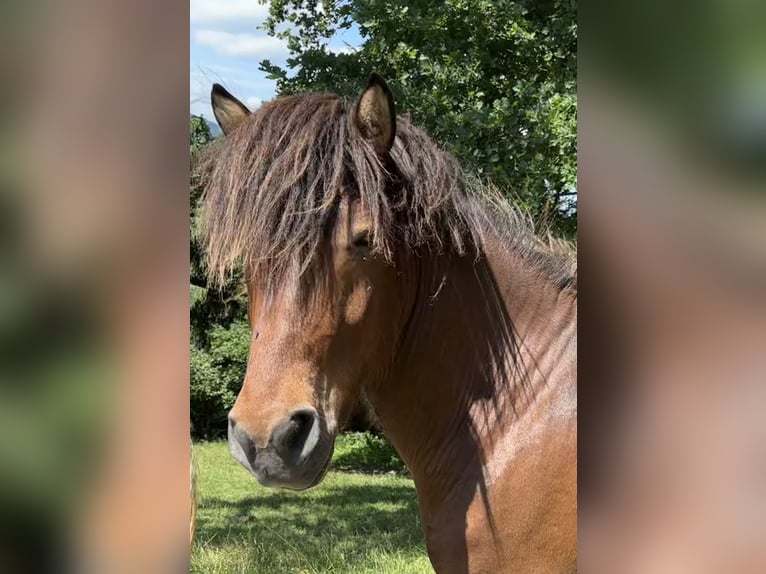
352, 522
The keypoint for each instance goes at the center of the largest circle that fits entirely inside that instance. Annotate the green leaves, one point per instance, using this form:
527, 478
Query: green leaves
365, 452
199, 134
217, 372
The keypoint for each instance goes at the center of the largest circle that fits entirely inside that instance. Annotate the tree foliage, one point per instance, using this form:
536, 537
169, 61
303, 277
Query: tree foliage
217, 371
492, 81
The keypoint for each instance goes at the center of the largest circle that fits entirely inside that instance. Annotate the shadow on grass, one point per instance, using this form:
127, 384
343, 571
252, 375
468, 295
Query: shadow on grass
355, 521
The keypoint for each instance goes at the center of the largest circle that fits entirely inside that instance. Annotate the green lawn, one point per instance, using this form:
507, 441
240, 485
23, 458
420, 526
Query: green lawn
352, 522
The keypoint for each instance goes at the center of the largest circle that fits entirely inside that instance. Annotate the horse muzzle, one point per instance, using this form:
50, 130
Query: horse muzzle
296, 456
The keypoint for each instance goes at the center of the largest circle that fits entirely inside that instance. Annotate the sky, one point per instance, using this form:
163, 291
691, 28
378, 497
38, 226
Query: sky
226, 46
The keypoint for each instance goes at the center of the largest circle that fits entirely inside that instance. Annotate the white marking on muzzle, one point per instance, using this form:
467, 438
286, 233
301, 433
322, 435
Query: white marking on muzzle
311, 440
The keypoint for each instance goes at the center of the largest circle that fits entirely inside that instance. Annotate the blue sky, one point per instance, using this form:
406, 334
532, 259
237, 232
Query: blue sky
226, 46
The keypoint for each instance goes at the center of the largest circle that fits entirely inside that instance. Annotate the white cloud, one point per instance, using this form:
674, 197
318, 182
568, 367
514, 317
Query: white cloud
227, 10
241, 45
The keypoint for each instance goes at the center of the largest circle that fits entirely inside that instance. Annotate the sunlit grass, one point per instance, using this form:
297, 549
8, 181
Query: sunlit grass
352, 522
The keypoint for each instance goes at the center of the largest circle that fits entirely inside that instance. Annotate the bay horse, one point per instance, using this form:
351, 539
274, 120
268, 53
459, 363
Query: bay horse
375, 268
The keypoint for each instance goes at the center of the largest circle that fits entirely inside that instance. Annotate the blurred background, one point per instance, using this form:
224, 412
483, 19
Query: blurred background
672, 245
94, 383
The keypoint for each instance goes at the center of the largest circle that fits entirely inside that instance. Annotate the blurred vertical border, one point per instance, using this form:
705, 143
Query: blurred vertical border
94, 380
672, 277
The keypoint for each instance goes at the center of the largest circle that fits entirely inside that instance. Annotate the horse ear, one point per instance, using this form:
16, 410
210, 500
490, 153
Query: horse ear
228, 110
375, 114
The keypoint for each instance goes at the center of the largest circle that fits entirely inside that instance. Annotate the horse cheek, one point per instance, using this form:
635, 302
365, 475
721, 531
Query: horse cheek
356, 304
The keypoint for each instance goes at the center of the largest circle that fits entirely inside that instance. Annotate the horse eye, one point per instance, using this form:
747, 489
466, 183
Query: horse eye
361, 241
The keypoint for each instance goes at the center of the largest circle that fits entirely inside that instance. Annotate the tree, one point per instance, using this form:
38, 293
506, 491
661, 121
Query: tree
494, 82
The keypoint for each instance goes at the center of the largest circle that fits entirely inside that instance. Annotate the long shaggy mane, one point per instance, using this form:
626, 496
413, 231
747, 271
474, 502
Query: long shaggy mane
274, 186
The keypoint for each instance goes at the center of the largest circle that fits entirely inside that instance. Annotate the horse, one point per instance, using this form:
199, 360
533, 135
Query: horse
377, 270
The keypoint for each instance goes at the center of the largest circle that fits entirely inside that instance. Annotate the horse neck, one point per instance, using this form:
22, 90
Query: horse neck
478, 350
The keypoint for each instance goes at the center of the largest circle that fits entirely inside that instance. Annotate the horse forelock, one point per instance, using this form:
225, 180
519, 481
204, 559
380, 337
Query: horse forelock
273, 189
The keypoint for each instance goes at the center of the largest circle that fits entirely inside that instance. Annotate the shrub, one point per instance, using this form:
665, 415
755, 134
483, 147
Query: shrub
217, 373
365, 452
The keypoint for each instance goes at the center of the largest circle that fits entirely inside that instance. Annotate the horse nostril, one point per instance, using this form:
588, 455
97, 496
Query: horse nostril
291, 437
301, 421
